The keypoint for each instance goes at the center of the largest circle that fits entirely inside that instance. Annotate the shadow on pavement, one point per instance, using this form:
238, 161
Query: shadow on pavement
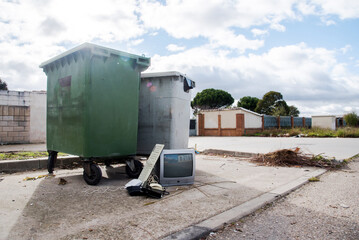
77, 210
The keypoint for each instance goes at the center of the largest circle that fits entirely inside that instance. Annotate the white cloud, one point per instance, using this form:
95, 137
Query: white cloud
73, 21
327, 21
34, 31
233, 41
258, 32
344, 9
345, 49
175, 48
312, 77
278, 27
214, 19
307, 8
136, 42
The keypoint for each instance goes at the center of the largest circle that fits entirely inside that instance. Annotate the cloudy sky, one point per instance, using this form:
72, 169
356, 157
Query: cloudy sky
306, 49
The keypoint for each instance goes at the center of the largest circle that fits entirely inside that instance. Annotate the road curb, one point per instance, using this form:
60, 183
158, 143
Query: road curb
234, 214
230, 153
13, 166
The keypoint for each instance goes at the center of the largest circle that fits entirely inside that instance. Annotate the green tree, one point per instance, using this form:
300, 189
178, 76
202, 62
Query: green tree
270, 103
3, 85
281, 109
248, 102
351, 119
293, 111
211, 98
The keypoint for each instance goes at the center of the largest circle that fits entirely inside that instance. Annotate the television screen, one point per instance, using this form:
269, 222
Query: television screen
178, 165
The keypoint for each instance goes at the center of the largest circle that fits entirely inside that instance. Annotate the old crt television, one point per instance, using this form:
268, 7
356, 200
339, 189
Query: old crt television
177, 167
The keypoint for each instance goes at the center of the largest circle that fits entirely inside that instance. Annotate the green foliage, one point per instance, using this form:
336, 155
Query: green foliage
248, 102
280, 109
351, 119
211, 99
3, 85
274, 104
293, 111
270, 101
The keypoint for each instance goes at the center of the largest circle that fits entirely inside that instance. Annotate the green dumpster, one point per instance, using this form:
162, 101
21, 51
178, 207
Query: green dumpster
92, 104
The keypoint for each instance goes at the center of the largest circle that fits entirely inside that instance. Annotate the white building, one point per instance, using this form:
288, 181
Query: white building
228, 122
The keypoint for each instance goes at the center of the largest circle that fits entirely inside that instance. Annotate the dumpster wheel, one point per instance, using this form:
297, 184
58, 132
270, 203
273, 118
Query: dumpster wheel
133, 168
95, 176
51, 161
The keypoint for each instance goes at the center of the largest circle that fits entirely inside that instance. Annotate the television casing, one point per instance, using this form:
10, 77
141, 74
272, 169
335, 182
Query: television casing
176, 180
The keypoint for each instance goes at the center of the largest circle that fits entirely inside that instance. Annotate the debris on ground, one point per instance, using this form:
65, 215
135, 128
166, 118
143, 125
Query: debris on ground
343, 205
62, 181
289, 157
38, 177
313, 179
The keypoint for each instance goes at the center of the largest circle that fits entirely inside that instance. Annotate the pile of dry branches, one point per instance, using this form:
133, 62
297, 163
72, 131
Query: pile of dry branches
288, 157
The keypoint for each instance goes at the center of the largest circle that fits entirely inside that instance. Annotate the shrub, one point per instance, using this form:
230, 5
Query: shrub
351, 119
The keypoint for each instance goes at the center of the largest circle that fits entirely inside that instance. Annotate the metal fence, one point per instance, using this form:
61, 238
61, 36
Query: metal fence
308, 122
285, 122
270, 122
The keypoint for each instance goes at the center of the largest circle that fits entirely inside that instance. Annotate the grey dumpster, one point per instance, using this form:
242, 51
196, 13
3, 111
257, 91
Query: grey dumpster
164, 111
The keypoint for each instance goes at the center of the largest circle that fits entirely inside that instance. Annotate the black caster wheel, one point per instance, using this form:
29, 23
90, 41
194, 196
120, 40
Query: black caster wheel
95, 176
134, 168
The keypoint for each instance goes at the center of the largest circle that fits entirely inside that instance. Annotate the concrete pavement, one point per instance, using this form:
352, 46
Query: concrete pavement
327, 209
224, 190
340, 148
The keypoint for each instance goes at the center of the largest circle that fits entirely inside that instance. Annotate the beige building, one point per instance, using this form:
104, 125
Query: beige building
327, 121
228, 122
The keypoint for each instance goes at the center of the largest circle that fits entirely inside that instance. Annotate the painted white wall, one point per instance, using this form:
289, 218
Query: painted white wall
211, 119
14, 98
324, 122
252, 120
38, 117
228, 119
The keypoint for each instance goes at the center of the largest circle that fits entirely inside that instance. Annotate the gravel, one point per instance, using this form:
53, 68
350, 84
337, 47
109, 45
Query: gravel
327, 209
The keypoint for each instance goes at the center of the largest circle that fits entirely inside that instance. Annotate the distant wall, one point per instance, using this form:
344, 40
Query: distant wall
14, 124
38, 117
228, 122
22, 117
324, 122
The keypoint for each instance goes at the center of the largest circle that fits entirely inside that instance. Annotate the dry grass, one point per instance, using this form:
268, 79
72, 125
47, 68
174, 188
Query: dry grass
349, 132
289, 157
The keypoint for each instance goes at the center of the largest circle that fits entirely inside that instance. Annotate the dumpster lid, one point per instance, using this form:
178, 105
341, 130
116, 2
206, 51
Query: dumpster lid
187, 82
98, 50
162, 74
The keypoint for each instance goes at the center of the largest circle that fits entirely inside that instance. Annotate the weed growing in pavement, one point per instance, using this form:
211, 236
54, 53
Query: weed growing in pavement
313, 179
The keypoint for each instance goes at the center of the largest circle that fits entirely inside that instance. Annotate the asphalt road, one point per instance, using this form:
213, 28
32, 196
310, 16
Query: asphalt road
327, 209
